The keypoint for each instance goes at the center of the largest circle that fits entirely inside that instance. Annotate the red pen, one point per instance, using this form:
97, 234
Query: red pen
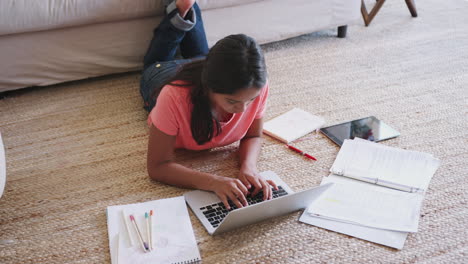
300, 152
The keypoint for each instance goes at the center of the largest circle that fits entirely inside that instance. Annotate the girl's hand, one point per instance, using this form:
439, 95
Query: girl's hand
231, 189
250, 178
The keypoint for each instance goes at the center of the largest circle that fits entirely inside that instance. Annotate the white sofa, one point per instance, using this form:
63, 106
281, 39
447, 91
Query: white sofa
48, 42
2, 167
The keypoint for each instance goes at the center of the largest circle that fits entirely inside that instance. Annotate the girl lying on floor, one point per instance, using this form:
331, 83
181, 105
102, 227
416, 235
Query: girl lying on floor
211, 98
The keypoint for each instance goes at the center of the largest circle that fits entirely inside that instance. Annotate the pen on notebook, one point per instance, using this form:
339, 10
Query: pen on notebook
148, 231
142, 242
127, 227
300, 152
151, 230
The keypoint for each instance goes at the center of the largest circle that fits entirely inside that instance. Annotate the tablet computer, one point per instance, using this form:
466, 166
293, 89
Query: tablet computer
369, 128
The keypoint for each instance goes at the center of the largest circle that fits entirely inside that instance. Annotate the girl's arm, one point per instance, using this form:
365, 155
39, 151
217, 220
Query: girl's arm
249, 150
162, 168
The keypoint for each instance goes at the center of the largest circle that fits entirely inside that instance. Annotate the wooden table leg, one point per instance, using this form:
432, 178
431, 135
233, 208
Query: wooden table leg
412, 8
369, 16
378, 4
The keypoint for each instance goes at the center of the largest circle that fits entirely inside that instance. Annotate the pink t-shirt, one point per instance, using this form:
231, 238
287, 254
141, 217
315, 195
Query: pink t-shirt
172, 115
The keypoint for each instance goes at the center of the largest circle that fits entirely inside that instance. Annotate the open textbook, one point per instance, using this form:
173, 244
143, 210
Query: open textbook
172, 235
377, 192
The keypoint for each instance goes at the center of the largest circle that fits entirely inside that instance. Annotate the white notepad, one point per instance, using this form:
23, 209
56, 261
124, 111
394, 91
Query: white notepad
173, 237
292, 125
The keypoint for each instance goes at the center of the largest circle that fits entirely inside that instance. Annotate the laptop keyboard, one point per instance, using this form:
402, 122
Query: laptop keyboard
216, 212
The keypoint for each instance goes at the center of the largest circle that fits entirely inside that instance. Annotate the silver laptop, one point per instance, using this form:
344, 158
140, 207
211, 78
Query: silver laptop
217, 219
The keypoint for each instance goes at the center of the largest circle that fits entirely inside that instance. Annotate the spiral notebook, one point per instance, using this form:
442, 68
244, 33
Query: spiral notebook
173, 240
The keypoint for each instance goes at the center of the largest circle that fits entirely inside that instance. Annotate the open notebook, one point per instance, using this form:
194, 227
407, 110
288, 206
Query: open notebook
405, 170
172, 233
377, 192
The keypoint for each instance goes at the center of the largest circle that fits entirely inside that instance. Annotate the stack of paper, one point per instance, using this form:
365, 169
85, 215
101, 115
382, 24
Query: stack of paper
380, 196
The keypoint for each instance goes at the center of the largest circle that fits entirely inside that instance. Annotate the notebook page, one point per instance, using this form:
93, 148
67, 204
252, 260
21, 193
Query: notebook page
410, 168
377, 162
173, 238
346, 153
367, 205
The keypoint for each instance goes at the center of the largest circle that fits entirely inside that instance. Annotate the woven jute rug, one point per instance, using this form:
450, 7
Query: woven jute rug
73, 149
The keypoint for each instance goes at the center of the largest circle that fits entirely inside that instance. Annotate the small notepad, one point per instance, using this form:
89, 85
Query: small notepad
292, 125
173, 237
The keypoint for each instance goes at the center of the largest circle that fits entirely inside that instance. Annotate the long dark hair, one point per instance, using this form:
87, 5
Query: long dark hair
235, 62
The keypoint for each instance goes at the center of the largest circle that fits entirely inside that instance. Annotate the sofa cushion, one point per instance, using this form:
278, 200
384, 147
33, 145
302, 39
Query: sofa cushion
19, 16
2, 166
213, 4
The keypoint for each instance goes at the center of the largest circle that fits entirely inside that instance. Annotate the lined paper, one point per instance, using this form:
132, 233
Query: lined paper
362, 159
366, 205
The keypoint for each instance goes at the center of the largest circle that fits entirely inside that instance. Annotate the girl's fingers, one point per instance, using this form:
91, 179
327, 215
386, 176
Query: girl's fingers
238, 192
257, 185
272, 183
242, 186
246, 183
235, 200
225, 202
266, 190
240, 197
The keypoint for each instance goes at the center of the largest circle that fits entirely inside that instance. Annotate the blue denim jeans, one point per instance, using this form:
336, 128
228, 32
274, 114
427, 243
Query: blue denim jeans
160, 64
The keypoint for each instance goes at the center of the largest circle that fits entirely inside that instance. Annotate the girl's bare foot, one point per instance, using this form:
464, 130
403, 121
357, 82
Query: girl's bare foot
184, 6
